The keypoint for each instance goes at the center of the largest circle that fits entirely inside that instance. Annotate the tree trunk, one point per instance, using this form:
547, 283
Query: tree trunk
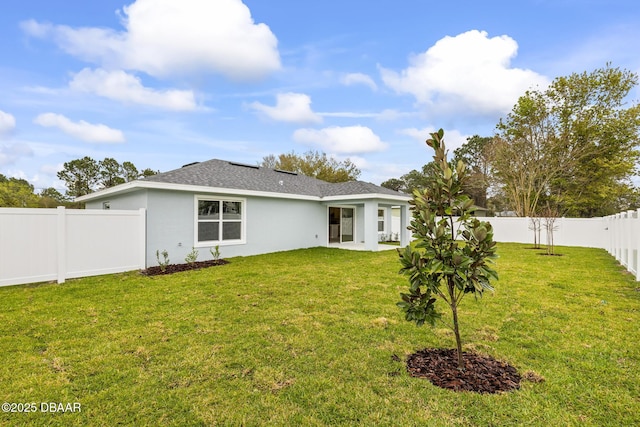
454, 310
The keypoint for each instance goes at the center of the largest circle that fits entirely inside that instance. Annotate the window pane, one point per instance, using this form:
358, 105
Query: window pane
231, 231
380, 225
347, 225
208, 209
208, 231
231, 210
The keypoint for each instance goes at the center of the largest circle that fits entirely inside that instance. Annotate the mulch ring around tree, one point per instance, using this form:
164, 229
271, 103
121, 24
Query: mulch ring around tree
482, 374
175, 268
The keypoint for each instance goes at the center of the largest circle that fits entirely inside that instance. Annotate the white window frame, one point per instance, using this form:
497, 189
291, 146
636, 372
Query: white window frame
382, 219
221, 200
355, 221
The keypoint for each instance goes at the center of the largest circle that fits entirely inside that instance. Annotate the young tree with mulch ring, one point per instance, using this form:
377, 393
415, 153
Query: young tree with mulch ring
452, 251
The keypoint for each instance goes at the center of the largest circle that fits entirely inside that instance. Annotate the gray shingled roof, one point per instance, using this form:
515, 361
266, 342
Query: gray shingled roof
225, 174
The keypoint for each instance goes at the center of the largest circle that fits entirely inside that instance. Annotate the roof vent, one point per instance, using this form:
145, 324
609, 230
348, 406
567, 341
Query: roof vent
287, 172
244, 165
190, 164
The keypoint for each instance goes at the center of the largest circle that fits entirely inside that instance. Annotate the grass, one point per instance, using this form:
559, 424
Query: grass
307, 338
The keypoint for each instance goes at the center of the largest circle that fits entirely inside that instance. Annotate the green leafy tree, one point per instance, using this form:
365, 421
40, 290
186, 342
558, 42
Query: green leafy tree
110, 173
527, 156
50, 197
17, 193
477, 154
592, 112
314, 164
80, 176
147, 172
83, 176
413, 180
574, 145
130, 172
394, 184
451, 255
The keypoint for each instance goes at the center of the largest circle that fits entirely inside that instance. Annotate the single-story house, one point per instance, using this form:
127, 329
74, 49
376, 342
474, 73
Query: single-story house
250, 210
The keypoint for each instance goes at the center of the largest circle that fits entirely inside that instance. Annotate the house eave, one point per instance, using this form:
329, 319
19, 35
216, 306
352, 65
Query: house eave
141, 184
135, 185
367, 196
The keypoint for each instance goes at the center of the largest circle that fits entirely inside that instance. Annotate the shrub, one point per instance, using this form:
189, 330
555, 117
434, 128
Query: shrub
165, 262
215, 252
192, 256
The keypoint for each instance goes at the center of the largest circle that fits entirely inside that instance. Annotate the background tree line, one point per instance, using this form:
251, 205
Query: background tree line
81, 176
19, 193
86, 175
314, 164
571, 149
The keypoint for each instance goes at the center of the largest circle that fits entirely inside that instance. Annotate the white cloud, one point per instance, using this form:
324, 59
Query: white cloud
174, 37
290, 107
360, 162
335, 139
127, 88
358, 78
467, 72
350, 115
7, 123
51, 169
452, 138
384, 115
12, 152
82, 130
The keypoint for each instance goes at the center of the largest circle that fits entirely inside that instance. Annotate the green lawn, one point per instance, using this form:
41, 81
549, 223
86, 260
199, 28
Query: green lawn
307, 338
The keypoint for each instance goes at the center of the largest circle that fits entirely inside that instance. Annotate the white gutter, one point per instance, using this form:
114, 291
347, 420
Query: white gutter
141, 184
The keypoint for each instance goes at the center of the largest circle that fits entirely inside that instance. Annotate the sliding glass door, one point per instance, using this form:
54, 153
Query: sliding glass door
346, 226
341, 225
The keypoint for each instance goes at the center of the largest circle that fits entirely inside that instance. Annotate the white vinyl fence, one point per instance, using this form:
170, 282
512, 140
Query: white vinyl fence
39, 245
624, 239
619, 234
583, 232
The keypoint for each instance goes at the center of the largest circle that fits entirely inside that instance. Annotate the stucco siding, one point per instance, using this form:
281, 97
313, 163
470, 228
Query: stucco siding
360, 223
278, 225
126, 201
271, 225
268, 225
170, 224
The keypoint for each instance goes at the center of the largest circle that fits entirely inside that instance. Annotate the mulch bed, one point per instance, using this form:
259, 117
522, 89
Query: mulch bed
175, 268
482, 374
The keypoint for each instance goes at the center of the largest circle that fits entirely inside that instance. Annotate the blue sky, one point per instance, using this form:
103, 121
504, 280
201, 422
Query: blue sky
162, 83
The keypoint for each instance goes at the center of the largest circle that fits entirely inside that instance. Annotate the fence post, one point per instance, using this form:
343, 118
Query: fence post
62, 244
614, 235
618, 237
636, 239
625, 240
143, 238
610, 234
629, 235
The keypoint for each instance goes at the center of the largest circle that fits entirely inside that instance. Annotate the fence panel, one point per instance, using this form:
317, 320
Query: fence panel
39, 245
624, 239
584, 232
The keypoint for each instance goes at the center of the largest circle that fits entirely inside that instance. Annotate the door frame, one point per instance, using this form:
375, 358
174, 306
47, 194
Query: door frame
339, 224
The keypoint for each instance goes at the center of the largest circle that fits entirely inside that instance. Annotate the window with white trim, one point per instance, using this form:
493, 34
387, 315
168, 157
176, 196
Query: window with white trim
380, 220
219, 220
